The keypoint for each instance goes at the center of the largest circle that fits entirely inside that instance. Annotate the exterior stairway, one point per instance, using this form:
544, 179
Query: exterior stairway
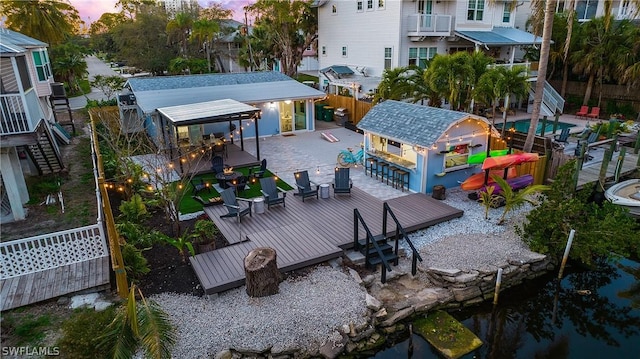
552, 102
45, 153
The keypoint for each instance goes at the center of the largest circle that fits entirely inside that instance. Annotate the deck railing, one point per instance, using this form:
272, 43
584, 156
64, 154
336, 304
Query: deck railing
429, 25
52, 250
19, 114
399, 235
369, 241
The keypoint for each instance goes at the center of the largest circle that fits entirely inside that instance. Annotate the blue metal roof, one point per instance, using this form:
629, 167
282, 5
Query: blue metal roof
206, 80
11, 39
338, 69
500, 36
410, 123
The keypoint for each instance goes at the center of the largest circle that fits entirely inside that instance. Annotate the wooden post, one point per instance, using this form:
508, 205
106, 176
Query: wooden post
602, 176
623, 152
566, 253
555, 122
544, 126
636, 148
496, 292
261, 271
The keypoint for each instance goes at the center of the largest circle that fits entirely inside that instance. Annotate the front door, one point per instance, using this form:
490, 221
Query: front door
425, 9
292, 116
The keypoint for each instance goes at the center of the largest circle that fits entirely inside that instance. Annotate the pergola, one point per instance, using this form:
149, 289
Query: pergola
209, 112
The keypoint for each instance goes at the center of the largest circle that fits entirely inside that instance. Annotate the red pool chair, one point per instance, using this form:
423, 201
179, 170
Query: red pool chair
595, 112
584, 110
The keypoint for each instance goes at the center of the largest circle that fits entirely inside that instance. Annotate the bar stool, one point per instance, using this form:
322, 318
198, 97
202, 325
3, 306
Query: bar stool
384, 169
394, 172
402, 179
372, 164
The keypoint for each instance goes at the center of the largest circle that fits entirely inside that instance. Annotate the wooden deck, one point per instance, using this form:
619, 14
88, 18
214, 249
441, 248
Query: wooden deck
35, 287
590, 172
236, 157
306, 233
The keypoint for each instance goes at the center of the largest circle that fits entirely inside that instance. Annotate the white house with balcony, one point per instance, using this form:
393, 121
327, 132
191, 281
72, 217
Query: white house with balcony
362, 38
27, 145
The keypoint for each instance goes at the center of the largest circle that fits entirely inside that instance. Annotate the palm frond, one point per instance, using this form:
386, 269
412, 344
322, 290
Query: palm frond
157, 336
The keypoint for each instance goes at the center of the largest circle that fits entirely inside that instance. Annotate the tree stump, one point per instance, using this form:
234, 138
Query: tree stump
261, 271
439, 192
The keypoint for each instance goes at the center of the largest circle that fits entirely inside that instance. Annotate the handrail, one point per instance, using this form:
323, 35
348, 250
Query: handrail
358, 218
399, 228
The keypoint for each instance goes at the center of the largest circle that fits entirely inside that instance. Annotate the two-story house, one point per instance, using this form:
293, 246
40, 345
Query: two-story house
27, 145
359, 39
586, 10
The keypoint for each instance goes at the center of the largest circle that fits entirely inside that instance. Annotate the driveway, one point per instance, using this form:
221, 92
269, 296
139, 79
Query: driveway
95, 67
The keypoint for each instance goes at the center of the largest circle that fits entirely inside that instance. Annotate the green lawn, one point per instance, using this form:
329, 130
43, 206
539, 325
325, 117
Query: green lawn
189, 205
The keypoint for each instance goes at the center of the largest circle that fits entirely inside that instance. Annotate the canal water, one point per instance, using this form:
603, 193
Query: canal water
589, 314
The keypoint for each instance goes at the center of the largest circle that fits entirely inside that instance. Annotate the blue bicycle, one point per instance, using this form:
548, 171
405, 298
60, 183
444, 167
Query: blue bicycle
346, 158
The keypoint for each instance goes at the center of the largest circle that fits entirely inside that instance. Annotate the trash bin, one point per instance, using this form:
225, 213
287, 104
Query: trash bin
324, 190
258, 205
439, 192
319, 108
328, 113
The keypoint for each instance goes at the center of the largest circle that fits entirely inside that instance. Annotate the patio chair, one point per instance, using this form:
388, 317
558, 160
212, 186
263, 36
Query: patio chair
199, 186
563, 136
233, 205
595, 112
584, 110
304, 185
342, 184
258, 171
217, 164
593, 136
271, 192
239, 184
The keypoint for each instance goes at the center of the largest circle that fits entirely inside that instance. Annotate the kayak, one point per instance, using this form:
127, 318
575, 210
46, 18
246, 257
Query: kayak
477, 180
515, 184
478, 158
508, 160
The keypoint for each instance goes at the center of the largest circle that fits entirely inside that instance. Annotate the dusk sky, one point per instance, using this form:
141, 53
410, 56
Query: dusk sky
91, 10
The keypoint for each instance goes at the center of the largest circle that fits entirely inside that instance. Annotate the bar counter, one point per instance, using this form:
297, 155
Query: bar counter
394, 159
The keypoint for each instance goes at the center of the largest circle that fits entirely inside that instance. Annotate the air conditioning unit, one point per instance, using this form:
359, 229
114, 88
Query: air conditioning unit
128, 99
57, 90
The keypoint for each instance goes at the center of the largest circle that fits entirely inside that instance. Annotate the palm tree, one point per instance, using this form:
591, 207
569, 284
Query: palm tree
51, 21
393, 86
69, 64
450, 75
542, 73
179, 29
419, 89
204, 32
512, 82
139, 325
514, 200
488, 91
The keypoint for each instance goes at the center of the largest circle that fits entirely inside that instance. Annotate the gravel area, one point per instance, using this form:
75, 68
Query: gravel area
307, 311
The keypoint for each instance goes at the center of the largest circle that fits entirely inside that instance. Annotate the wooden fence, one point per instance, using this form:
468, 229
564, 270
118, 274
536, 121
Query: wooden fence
356, 109
536, 169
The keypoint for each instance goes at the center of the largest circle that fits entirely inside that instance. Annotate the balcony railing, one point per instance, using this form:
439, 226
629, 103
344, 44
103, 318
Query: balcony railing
421, 25
18, 114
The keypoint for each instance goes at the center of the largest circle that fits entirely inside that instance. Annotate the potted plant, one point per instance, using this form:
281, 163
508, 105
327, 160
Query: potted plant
204, 234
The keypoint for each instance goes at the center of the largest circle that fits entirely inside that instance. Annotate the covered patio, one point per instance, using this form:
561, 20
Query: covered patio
191, 143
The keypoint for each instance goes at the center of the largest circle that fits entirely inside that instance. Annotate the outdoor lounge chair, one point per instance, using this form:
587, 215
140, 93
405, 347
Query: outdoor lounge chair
595, 112
199, 186
217, 164
239, 184
593, 136
342, 184
258, 171
563, 136
271, 192
584, 110
305, 188
233, 204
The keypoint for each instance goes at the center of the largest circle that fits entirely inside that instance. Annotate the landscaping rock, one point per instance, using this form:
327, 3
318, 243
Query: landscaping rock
372, 303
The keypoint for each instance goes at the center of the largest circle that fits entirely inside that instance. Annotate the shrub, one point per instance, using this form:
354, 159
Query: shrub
135, 264
601, 230
133, 210
82, 331
138, 235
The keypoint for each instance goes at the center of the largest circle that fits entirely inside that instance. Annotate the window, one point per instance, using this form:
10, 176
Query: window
586, 9
560, 7
369, 4
623, 11
43, 68
388, 52
419, 56
334, 9
380, 4
344, 51
456, 156
359, 5
475, 10
506, 13
324, 51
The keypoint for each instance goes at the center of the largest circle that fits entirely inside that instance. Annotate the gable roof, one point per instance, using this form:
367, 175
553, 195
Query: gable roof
15, 42
251, 87
409, 123
500, 36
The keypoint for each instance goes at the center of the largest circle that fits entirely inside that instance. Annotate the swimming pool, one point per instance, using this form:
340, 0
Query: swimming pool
523, 126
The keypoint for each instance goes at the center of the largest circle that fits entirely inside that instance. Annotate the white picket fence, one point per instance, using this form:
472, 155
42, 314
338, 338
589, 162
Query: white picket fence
34, 254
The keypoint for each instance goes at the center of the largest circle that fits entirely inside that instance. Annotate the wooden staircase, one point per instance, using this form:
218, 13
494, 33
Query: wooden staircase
44, 153
376, 249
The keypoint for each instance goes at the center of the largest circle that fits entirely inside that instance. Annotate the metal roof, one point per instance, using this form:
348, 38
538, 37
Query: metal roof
409, 123
206, 112
9, 37
500, 36
257, 87
338, 69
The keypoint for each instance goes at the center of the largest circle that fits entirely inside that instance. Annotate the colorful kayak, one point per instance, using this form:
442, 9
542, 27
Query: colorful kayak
515, 184
478, 158
477, 180
508, 160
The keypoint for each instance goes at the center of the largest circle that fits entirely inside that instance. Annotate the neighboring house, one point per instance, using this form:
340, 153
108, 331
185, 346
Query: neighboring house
309, 61
431, 144
227, 47
365, 37
27, 145
287, 105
